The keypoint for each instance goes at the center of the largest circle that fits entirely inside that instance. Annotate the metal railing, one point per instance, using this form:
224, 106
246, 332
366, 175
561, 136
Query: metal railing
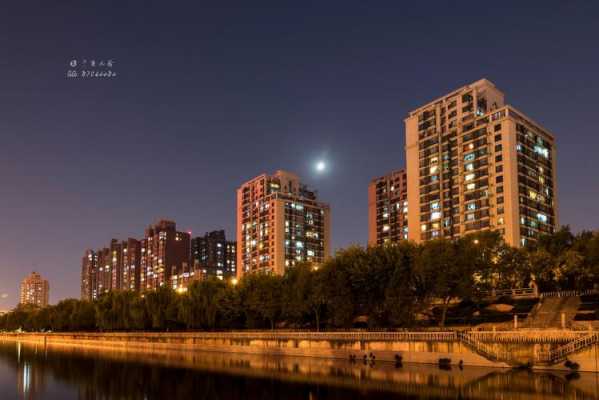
443, 336
532, 336
514, 293
569, 293
560, 354
486, 350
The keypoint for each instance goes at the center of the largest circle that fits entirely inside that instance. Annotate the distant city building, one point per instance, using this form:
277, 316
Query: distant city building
279, 224
34, 290
164, 250
89, 275
184, 276
104, 273
131, 265
135, 265
388, 208
214, 255
475, 163
116, 264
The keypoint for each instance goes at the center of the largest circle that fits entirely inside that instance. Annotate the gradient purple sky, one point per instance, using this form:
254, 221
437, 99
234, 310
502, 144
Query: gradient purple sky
208, 97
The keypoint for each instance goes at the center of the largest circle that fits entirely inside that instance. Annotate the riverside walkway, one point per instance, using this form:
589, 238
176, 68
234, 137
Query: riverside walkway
531, 347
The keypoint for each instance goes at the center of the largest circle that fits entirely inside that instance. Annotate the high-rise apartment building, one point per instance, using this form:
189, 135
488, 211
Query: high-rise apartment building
164, 250
388, 208
475, 163
116, 264
280, 223
213, 255
135, 265
130, 265
89, 267
184, 276
104, 271
34, 290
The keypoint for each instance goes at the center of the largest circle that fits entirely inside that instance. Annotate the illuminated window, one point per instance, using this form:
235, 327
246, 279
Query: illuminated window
469, 177
471, 186
423, 227
386, 228
469, 157
542, 217
542, 151
469, 167
435, 215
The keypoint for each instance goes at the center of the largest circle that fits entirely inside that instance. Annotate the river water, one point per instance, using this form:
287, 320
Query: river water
38, 372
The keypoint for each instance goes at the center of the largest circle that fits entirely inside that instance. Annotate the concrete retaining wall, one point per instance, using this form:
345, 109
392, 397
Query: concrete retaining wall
424, 347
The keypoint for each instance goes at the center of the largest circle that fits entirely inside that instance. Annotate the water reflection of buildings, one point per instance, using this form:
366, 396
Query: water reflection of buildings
96, 373
31, 381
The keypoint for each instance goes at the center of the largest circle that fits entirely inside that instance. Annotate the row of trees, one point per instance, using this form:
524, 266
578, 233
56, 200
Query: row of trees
385, 286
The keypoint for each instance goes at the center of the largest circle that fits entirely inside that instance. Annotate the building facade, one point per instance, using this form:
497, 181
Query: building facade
388, 208
164, 250
136, 265
104, 272
34, 290
130, 273
89, 268
280, 223
213, 255
475, 163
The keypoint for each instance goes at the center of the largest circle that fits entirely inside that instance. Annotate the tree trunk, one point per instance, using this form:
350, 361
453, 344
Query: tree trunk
317, 320
444, 313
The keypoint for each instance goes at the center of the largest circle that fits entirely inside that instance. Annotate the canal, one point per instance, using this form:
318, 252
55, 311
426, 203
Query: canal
53, 372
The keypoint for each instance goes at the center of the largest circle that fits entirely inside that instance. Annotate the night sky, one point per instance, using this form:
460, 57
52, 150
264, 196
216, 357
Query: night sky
208, 96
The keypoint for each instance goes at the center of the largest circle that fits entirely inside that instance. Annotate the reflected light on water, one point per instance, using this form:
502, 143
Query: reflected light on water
109, 373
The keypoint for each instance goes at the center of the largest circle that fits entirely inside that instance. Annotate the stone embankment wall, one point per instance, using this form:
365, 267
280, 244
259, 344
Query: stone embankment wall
413, 347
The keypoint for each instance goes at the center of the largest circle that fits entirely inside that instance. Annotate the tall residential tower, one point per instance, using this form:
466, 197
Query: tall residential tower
388, 208
475, 163
280, 223
34, 290
164, 252
214, 255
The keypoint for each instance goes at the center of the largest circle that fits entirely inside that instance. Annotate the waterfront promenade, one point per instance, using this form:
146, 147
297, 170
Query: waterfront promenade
551, 349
